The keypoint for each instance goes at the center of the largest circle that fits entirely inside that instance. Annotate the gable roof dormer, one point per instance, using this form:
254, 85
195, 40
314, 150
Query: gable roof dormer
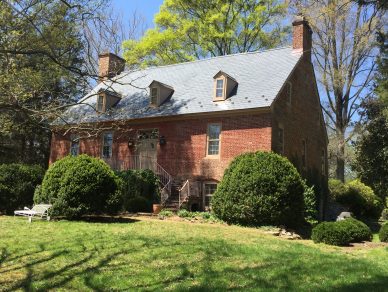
223, 86
106, 99
159, 92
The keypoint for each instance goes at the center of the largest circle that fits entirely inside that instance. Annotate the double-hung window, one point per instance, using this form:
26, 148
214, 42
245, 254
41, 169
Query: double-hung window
154, 96
100, 103
107, 143
219, 88
209, 190
213, 139
74, 145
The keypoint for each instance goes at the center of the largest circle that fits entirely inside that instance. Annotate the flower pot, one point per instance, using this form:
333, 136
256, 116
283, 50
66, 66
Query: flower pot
156, 208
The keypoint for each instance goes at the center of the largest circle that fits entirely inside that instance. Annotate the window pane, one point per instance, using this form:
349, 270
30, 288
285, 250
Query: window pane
74, 145
100, 103
214, 131
219, 88
209, 190
213, 147
107, 145
154, 95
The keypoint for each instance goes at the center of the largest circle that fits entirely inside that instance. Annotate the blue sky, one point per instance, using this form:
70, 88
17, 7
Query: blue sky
146, 8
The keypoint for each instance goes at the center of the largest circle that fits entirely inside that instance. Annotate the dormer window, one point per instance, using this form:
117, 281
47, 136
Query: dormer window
154, 96
159, 93
106, 100
100, 103
220, 88
224, 86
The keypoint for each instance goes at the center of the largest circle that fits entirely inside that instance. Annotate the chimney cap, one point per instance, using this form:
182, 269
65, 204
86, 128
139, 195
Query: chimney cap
107, 53
299, 19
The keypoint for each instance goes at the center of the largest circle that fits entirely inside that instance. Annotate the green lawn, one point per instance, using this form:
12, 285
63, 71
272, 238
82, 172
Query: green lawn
153, 255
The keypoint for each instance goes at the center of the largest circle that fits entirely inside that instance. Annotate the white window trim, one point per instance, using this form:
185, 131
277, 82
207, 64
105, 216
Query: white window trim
206, 195
224, 81
102, 146
103, 97
208, 140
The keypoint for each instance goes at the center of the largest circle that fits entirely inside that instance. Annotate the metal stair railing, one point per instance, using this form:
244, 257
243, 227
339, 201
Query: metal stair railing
145, 162
184, 193
166, 181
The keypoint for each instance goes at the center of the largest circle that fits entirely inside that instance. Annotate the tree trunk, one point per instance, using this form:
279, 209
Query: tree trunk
340, 167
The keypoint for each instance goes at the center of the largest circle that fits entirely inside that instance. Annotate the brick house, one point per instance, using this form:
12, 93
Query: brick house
188, 121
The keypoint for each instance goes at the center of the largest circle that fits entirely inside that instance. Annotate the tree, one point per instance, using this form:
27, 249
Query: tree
40, 49
344, 58
192, 29
372, 146
48, 60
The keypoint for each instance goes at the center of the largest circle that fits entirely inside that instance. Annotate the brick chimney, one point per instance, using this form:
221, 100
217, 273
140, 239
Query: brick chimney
301, 36
109, 65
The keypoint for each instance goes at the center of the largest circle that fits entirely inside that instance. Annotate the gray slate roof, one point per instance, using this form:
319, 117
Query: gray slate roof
260, 76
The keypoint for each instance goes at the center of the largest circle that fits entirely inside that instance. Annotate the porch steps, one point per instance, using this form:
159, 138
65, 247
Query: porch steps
172, 202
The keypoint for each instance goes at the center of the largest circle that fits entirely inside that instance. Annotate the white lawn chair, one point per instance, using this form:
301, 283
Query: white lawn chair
40, 211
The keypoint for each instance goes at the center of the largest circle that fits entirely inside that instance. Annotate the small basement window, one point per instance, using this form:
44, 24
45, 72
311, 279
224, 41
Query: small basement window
208, 190
154, 96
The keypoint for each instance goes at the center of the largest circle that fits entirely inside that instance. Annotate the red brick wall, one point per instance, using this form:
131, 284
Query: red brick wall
302, 120
184, 154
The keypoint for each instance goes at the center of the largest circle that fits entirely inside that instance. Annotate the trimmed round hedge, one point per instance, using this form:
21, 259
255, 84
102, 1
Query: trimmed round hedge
341, 232
331, 233
383, 233
80, 185
359, 231
260, 188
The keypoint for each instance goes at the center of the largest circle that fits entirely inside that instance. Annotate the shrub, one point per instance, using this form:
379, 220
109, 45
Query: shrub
183, 213
359, 198
80, 185
383, 233
139, 204
166, 213
331, 233
139, 183
359, 231
17, 185
260, 189
310, 205
337, 189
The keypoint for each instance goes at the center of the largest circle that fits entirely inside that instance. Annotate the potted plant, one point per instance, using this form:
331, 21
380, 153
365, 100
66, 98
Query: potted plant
156, 205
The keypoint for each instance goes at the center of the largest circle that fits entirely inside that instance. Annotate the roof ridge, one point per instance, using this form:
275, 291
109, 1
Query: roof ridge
211, 58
